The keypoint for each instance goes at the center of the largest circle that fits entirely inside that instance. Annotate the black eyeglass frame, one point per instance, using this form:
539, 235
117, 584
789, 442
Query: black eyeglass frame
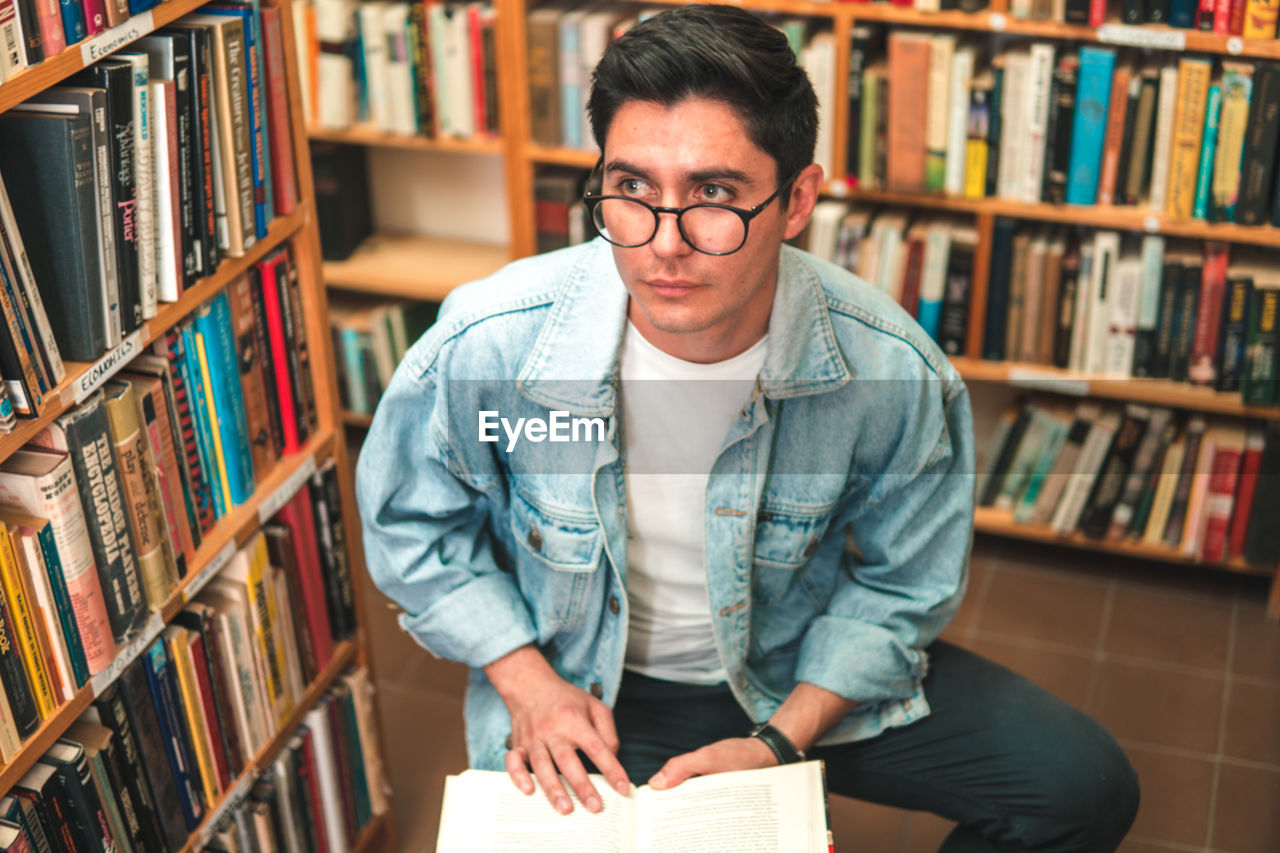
592, 201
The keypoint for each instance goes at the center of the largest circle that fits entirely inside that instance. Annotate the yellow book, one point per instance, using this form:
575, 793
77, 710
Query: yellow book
1260, 18
220, 458
249, 573
175, 643
24, 627
1188, 134
1163, 500
1233, 120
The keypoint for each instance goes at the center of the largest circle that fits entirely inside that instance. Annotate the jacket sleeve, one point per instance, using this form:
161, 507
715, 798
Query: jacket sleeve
903, 581
427, 524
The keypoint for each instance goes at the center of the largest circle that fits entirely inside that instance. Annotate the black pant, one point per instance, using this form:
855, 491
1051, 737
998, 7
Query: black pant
1016, 768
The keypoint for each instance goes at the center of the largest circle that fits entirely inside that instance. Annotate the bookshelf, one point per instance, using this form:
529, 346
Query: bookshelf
298, 231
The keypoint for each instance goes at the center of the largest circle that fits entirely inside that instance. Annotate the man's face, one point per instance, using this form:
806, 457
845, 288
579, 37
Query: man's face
697, 306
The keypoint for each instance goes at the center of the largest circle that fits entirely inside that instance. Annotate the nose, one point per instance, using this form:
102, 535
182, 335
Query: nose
668, 242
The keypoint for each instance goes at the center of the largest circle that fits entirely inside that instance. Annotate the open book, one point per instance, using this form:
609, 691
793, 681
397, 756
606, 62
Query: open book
774, 810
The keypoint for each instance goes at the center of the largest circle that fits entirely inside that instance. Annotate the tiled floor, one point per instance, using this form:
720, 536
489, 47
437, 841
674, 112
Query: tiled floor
1180, 665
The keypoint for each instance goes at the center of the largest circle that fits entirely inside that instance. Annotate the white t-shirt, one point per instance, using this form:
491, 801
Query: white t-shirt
676, 416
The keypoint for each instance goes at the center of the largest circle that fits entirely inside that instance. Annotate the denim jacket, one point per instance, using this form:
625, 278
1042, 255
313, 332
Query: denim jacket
838, 513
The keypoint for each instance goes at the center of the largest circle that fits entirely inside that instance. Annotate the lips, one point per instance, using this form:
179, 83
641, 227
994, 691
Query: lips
671, 288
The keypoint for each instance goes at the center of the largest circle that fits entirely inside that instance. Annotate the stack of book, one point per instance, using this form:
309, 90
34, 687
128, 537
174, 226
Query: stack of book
114, 781
371, 335
1185, 136
102, 513
1149, 475
1250, 18
31, 31
402, 68
150, 166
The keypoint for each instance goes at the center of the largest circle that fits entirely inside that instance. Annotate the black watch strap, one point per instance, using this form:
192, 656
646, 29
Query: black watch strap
778, 743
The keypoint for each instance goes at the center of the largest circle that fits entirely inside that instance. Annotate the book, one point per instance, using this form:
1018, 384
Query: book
479, 808
1257, 166
85, 815
22, 710
178, 750
1261, 546
1188, 132
1215, 519
1258, 383
907, 110
1251, 462
1093, 94
14, 254
218, 350
22, 629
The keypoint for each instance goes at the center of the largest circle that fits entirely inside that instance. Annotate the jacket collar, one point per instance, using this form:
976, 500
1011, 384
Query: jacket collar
573, 364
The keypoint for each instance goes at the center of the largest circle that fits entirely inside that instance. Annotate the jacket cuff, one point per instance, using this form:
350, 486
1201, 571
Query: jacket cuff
475, 624
861, 662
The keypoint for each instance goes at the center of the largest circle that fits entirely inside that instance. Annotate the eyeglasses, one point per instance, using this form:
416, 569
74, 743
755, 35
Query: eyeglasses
712, 229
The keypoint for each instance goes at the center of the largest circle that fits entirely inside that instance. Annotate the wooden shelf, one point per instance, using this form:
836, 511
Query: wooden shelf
216, 549
87, 375
1001, 523
1156, 392
563, 156
355, 420
28, 82
365, 134
343, 656
374, 835
414, 267
1092, 216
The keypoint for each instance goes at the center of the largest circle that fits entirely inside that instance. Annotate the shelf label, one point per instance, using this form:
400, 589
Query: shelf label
287, 490
1235, 45
116, 37
220, 819
107, 366
210, 569
128, 654
1043, 380
997, 21
1151, 224
1134, 36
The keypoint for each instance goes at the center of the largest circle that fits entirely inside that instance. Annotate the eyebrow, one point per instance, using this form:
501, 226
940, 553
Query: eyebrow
716, 173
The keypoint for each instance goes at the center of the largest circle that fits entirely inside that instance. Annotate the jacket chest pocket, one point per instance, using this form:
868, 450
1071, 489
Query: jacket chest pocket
785, 539
558, 554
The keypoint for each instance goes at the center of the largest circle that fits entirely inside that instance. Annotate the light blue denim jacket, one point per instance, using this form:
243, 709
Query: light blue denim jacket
860, 429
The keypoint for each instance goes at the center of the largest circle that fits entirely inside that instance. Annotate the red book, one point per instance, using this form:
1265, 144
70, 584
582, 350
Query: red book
270, 295
1254, 443
1097, 12
95, 17
298, 517
284, 181
1235, 17
1203, 367
53, 39
1222, 17
204, 687
475, 32
912, 270
1223, 477
1204, 15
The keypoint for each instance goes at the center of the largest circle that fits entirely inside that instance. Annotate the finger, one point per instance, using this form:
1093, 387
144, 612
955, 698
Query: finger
548, 778
566, 758
602, 719
678, 769
604, 754
518, 769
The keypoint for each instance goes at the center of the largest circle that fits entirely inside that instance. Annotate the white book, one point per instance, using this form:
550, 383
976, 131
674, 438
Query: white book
933, 277
143, 170
1070, 506
776, 809
439, 29
373, 42
962, 62
250, 669
1020, 9
889, 228
1080, 314
1126, 290
317, 720
462, 107
362, 698
819, 60
336, 100
401, 96
39, 575
1162, 152
291, 834
288, 629
168, 264
824, 228
1013, 125
1106, 257
1039, 83
1152, 275
13, 56
937, 139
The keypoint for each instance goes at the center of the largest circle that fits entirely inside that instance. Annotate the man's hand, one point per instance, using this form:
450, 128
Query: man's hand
551, 720
738, 753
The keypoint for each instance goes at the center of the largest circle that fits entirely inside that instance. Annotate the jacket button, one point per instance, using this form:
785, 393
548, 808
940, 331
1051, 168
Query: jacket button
596, 690
613, 605
811, 548
535, 538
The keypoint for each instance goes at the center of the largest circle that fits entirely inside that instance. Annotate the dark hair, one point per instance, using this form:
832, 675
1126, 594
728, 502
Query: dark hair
717, 52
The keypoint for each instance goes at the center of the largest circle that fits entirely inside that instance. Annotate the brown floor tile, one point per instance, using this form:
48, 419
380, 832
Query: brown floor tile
1176, 793
1257, 649
1170, 627
1063, 674
1247, 819
925, 833
859, 827
417, 762
1253, 723
1044, 606
1158, 707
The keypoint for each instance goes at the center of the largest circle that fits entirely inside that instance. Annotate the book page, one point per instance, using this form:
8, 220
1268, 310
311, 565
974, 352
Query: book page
753, 811
485, 813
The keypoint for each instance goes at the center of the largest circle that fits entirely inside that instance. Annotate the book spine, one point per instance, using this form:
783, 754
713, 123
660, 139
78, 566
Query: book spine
1162, 153
1093, 94
218, 448
907, 111
249, 358
284, 178
11, 243
89, 826
202, 419
34, 578
176, 745
25, 631
1113, 136
192, 453
1203, 366
1185, 321
153, 418
327, 501
191, 714
1063, 107
73, 27
1259, 383
1235, 330
145, 183
295, 328
1200, 207
1039, 103
23, 709
263, 346
1257, 165
1260, 19
1188, 128
229, 397
1250, 468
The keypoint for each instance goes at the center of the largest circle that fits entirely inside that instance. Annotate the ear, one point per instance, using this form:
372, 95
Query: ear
804, 195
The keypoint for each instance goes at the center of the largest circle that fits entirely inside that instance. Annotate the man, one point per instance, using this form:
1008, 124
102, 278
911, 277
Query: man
766, 516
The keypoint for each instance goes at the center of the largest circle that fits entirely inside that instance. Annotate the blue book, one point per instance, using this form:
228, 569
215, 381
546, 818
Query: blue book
137, 7
164, 697
258, 153
62, 603
570, 84
213, 323
353, 364
928, 315
997, 320
1182, 13
73, 27
200, 416
1093, 97
1200, 210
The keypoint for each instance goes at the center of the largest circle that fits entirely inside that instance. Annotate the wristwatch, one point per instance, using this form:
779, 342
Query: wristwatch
778, 743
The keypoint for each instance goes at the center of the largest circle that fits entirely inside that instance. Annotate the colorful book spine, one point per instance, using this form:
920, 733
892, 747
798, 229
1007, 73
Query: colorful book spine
1093, 94
177, 748
214, 327
1200, 208
24, 627
1188, 130
202, 417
